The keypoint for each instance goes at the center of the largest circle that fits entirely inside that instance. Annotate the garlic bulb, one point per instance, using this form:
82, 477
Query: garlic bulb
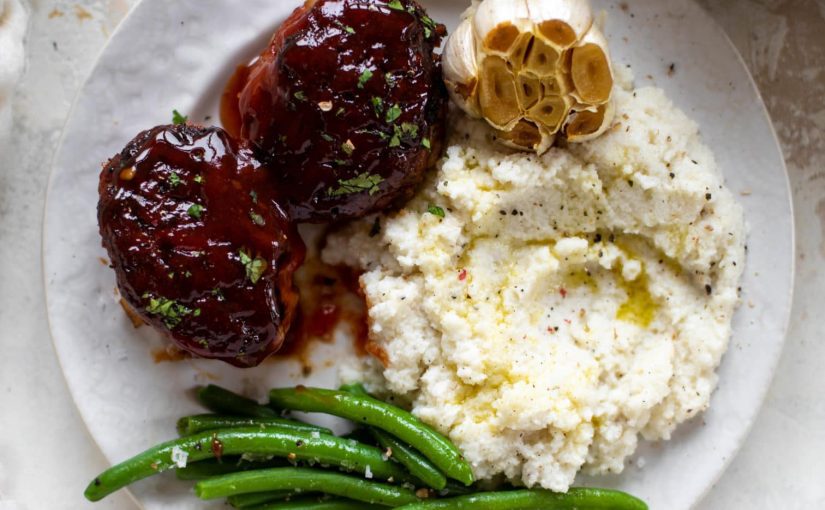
532, 69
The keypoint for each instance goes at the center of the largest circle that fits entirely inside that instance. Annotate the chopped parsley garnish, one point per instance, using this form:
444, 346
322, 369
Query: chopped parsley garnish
378, 106
326, 137
396, 4
390, 79
195, 211
348, 147
393, 113
199, 179
254, 267
171, 311
174, 179
407, 130
366, 74
254, 195
364, 182
425, 142
178, 119
429, 26
346, 28
300, 95
436, 211
257, 219
340, 112
218, 293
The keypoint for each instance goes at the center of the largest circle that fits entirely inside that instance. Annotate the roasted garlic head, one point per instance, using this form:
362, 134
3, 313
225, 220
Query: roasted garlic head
533, 69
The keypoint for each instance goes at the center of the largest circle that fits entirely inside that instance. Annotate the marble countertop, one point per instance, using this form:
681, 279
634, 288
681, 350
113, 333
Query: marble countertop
46, 455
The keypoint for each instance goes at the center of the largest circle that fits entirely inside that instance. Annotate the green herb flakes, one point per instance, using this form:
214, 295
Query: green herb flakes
326, 137
300, 95
436, 211
396, 4
178, 119
425, 142
346, 28
429, 26
171, 312
199, 179
393, 113
366, 74
254, 196
195, 211
378, 106
174, 179
364, 182
409, 129
257, 219
254, 267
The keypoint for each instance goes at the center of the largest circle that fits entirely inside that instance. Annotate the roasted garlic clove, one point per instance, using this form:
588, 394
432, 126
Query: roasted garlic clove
590, 69
531, 69
584, 125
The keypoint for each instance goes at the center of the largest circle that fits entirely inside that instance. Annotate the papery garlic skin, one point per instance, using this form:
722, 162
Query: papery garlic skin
533, 69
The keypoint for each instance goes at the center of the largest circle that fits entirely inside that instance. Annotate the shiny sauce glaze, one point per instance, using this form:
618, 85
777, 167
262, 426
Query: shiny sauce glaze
349, 105
201, 249
331, 301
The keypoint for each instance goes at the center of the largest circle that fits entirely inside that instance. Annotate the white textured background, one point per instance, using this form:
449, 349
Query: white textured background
46, 456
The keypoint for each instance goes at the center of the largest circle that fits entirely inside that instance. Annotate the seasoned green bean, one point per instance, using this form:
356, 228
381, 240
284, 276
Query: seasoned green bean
312, 447
314, 503
415, 463
370, 411
222, 401
254, 500
213, 467
308, 480
574, 499
189, 425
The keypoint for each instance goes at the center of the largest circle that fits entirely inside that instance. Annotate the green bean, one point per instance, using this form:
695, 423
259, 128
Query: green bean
189, 425
369, 411
574, 499
213, 467
304, 479
253, 500
222, 401
415, 463
324, 449
314, 503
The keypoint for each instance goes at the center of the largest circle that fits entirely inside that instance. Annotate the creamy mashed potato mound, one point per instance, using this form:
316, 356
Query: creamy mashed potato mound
564, 305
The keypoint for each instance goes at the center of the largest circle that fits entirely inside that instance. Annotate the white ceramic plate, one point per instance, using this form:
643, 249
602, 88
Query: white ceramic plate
170, 55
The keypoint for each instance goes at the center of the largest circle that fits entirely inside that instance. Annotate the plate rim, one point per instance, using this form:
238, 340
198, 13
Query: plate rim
761, 392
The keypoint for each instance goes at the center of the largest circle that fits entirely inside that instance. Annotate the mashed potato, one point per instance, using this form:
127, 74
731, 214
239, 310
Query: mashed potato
564, 305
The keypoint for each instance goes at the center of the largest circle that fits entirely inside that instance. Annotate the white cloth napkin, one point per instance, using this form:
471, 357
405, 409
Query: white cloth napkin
12, 30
